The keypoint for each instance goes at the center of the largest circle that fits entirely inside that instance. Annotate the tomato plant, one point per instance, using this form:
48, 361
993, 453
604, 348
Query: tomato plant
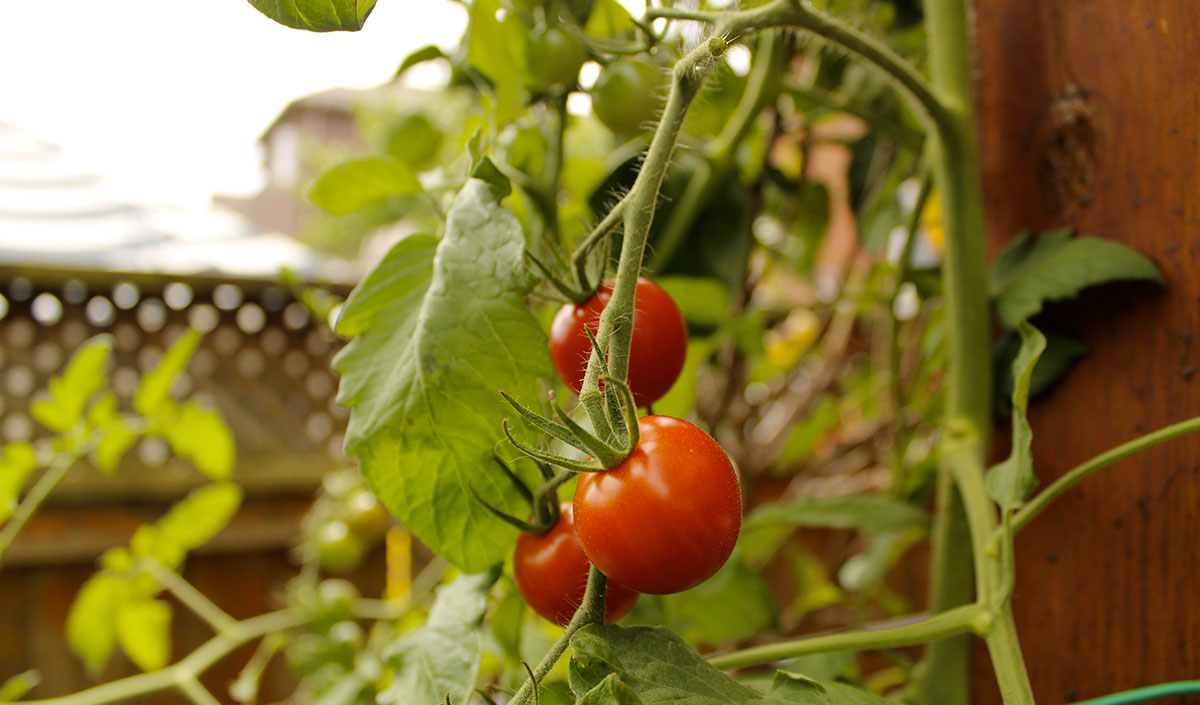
658, 347
551, 571
850, 396
667, 518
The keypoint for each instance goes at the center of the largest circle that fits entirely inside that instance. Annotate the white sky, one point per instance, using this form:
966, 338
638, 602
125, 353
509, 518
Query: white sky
169, 96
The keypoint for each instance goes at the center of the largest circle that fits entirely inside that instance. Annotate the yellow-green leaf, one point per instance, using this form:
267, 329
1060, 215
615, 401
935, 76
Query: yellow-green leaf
91, 621
200, 435
358, 183
17, 460
153, 395
62, 405
144, 632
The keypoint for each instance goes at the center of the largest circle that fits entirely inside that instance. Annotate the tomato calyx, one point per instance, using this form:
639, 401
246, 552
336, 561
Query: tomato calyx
607, 452
543, 502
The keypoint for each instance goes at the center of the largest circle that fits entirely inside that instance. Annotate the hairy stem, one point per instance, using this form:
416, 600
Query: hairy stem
591, 611
960, 620
616, 322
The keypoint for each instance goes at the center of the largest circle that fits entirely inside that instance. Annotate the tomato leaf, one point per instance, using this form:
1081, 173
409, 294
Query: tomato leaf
153, 394
770, 524
358, 183
655, 664
191, 523
91, 621
1010, 481
1056, 361
496, 49
317, 15
200, 435
62, 405
610, 691
144, 632
1055, 266
795, 688
17, 460
441, 658
842, 694
423, 375
703, 301
734, 604
429, 52
16, 687
607, 18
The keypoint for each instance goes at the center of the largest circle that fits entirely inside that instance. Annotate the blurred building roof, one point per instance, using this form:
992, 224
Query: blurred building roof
56, 214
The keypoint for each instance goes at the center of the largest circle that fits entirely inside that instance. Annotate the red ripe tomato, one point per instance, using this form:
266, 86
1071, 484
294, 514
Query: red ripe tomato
665, 519
657, 350
552, 572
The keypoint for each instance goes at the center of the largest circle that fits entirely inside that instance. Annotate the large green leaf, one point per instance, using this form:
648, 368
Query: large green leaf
1055, 266
441, 658
1010, 481
317, 15
423, 375
358, 183
610, 691
62, 405
1059, 357
655, 664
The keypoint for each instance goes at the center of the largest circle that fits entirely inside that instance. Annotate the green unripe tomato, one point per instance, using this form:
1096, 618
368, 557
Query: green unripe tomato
554, 59
365, 516
337, 548
336, 598
628, 95
342, 643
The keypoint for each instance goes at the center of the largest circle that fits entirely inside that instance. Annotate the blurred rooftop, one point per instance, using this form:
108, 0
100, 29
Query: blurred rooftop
56, 213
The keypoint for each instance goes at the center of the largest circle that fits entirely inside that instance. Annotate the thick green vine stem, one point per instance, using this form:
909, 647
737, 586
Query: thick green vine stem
591, 611
616, 329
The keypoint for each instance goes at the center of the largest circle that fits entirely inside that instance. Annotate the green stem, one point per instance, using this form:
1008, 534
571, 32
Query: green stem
185, 669
956, 169
37, 495
616, 329
198, 694
960, 620
554, 163
1007, 660
591, 611
1077, 474
206, 609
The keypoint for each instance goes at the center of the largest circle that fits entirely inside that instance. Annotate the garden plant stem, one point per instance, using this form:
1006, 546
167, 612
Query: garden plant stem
54, 474
960, 620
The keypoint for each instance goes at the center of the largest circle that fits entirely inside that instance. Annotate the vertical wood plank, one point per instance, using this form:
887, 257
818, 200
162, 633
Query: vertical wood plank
1089, 114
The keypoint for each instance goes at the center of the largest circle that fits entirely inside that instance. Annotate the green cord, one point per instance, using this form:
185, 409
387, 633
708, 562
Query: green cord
1142, 695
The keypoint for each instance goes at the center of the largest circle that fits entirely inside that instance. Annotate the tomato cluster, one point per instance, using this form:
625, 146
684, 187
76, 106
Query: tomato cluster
664, 519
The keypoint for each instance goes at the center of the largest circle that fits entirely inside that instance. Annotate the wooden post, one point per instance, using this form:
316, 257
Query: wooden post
1089, 116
